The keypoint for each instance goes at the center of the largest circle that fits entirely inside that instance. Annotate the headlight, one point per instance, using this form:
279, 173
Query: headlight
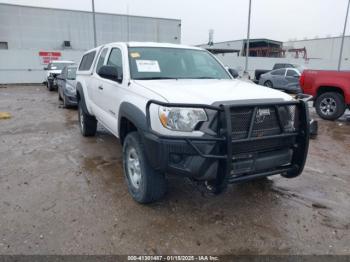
181, 119
70, 89
176, 121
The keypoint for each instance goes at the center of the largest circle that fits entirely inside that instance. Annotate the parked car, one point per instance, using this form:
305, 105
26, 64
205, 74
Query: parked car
66, 86
176, 109
286, 79
259, 72
330, 89
53, 70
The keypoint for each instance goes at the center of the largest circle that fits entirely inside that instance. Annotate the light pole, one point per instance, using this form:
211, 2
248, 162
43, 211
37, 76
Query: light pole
248, 38
94, 22
342, 39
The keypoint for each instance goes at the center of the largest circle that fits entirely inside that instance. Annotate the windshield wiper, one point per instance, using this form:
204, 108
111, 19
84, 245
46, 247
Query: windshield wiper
154, 78
205, 77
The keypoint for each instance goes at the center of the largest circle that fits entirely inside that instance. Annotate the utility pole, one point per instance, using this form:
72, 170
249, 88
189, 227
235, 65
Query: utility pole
248, 38
94, 22
343, 37
127, 22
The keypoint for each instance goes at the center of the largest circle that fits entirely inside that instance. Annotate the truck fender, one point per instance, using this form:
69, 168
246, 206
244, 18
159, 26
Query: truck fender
81, 95
133, 114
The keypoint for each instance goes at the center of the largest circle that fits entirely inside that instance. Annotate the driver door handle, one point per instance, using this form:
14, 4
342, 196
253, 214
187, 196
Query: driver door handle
100, 87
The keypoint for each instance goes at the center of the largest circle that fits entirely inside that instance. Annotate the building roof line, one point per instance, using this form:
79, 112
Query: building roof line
312, 39
89, 12
244, 39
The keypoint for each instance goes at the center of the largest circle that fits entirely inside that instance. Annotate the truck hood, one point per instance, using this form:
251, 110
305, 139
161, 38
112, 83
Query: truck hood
204, 91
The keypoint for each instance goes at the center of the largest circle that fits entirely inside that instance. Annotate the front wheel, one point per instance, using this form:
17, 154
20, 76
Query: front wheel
330, 105
59, 94
144, 183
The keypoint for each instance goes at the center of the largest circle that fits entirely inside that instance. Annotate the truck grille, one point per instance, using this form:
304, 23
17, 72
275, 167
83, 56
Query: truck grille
262, 121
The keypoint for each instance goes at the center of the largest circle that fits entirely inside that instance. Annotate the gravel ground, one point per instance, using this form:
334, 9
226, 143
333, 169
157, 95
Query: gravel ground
61, 193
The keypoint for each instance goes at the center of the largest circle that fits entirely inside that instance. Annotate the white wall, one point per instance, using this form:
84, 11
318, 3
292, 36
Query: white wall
25, 66
28, 30
322, 48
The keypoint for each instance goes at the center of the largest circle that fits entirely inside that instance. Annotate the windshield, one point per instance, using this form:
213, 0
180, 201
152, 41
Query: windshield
173, 63
71, 73
57, 66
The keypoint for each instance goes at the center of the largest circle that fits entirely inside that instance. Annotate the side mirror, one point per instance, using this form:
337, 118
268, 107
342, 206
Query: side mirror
233, 72
110, 72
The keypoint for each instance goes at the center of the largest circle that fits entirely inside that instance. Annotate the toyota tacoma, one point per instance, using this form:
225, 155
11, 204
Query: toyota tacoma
177, 110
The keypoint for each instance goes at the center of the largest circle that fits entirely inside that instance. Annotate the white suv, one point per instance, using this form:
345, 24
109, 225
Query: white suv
176, 109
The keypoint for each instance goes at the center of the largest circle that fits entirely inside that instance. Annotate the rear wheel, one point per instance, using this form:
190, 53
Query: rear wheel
144, 183
268, 84
330, 105
87, 122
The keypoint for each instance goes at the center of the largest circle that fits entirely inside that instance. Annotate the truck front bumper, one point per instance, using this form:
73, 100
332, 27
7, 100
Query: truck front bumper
228, 159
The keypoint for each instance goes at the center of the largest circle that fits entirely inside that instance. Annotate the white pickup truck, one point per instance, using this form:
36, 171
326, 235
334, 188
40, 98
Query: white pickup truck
176, 109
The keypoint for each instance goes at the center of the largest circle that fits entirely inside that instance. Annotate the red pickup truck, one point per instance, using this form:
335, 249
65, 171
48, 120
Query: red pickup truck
330, 89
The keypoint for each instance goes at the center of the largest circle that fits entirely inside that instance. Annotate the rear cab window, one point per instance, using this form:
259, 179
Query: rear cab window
86, 61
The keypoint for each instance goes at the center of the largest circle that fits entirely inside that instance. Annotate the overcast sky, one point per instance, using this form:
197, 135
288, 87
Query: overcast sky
275, 19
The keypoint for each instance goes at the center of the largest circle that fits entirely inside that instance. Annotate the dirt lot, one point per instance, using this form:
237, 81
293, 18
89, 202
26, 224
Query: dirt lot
61, 193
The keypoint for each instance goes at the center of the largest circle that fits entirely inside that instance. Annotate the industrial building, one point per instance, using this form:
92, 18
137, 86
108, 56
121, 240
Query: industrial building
30, 35
257, 47
317, 48
318, 53
327, 48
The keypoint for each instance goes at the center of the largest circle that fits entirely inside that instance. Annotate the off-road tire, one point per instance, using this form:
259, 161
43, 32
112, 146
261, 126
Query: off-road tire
152, 184
337, 99
87, 122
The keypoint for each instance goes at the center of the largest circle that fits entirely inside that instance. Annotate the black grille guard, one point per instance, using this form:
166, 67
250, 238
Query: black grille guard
225, 136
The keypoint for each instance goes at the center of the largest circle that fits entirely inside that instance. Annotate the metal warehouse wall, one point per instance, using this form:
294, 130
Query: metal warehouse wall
24, 66
323, 48
31, 27
238, 63
28, 30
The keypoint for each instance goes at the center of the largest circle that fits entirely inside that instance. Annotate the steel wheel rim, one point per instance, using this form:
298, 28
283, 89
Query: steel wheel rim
268, 84
133, 167
81, 118
328, 106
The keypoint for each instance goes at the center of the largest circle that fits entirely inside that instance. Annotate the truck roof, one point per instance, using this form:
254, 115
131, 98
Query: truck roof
148, 44
154, 44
